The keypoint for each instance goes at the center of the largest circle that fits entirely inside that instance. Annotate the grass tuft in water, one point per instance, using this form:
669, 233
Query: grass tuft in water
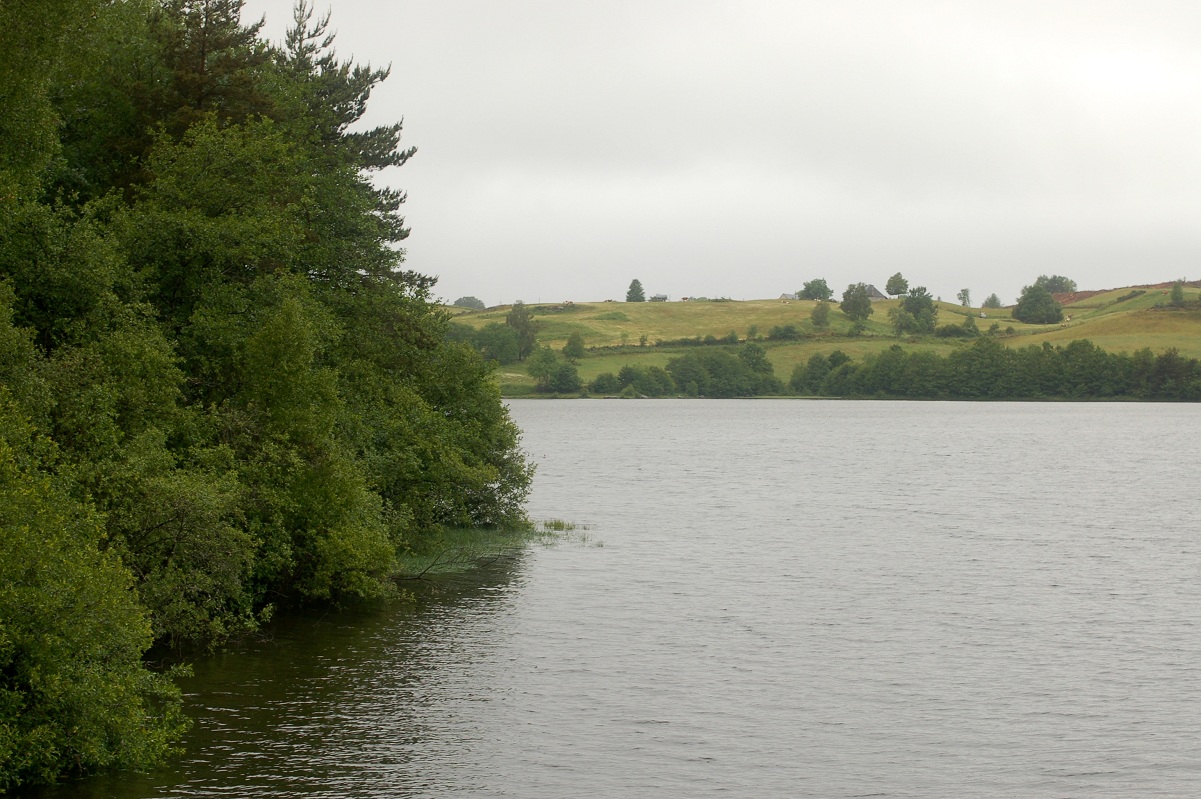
555, 531
560, 526
458, 550
455, 551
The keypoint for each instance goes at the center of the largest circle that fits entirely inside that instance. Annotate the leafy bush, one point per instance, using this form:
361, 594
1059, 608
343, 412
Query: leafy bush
497, 342
74, 692
651, 381
1056, 284
604, 383
816, 289
1036, 306
565, 379
574, 348
717, 373
784, 333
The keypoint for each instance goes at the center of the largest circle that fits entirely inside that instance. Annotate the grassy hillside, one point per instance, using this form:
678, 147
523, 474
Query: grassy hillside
1120, 320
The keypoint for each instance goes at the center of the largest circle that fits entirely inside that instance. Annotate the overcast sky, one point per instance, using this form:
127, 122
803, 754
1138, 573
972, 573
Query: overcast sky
739, 149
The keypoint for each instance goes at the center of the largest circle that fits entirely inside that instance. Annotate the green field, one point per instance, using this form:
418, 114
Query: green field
612, 331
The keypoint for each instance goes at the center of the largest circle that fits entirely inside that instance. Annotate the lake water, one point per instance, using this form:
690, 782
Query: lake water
772, 598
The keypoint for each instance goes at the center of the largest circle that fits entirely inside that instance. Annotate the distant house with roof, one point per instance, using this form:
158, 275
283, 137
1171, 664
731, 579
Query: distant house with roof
874, 293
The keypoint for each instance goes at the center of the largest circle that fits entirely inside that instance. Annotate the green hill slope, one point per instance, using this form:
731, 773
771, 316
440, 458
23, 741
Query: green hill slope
651, 333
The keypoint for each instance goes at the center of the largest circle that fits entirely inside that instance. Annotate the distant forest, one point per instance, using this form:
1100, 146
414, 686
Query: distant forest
985, 369
989, 370
220, 392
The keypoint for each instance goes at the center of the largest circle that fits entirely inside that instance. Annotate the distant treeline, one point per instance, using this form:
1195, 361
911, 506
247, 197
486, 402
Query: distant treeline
986, 369
989, 370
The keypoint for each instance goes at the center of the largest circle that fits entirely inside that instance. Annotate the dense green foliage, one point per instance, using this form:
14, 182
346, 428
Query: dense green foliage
784, 333
856, 302
820, 315
981, 368
220, 392
551, 373
709, 372
896, 285
917, 313
635, 293
574, 348
700, 341
989, 370
1056, 284
497, 342
521, 320
815, 289
72, 685
473, 303
1036, 306
720, 373
1177, 295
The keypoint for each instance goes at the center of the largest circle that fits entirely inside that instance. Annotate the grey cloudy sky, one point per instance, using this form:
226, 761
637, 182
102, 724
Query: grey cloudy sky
739, 149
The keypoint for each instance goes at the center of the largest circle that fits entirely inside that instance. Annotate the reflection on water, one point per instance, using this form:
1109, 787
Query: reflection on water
776, 599
337, 703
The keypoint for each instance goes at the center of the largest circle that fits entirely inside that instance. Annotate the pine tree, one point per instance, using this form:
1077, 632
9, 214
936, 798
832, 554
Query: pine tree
635, 293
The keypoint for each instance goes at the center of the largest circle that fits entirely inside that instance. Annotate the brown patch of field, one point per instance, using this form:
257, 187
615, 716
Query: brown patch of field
1070, 297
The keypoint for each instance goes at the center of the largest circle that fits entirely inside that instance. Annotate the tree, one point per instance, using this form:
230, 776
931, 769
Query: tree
335, 95
965, 298
1177, 296
717, 373
573, 350
214, 62
920, 306
521, 319
820, 316
896, 285
755, 357
808, 378
541, 364
635, 293
1056, 284
565, 379
604, 383
815, 289
551, 374
33, 38
76, 695
902, 321
1036, 306
992, 301
470, 302
497, 342
856, 303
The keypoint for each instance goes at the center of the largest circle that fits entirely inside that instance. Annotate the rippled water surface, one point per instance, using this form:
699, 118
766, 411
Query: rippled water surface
773, 598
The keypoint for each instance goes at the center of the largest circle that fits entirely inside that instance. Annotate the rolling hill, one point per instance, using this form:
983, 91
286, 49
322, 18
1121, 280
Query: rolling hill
650, 333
